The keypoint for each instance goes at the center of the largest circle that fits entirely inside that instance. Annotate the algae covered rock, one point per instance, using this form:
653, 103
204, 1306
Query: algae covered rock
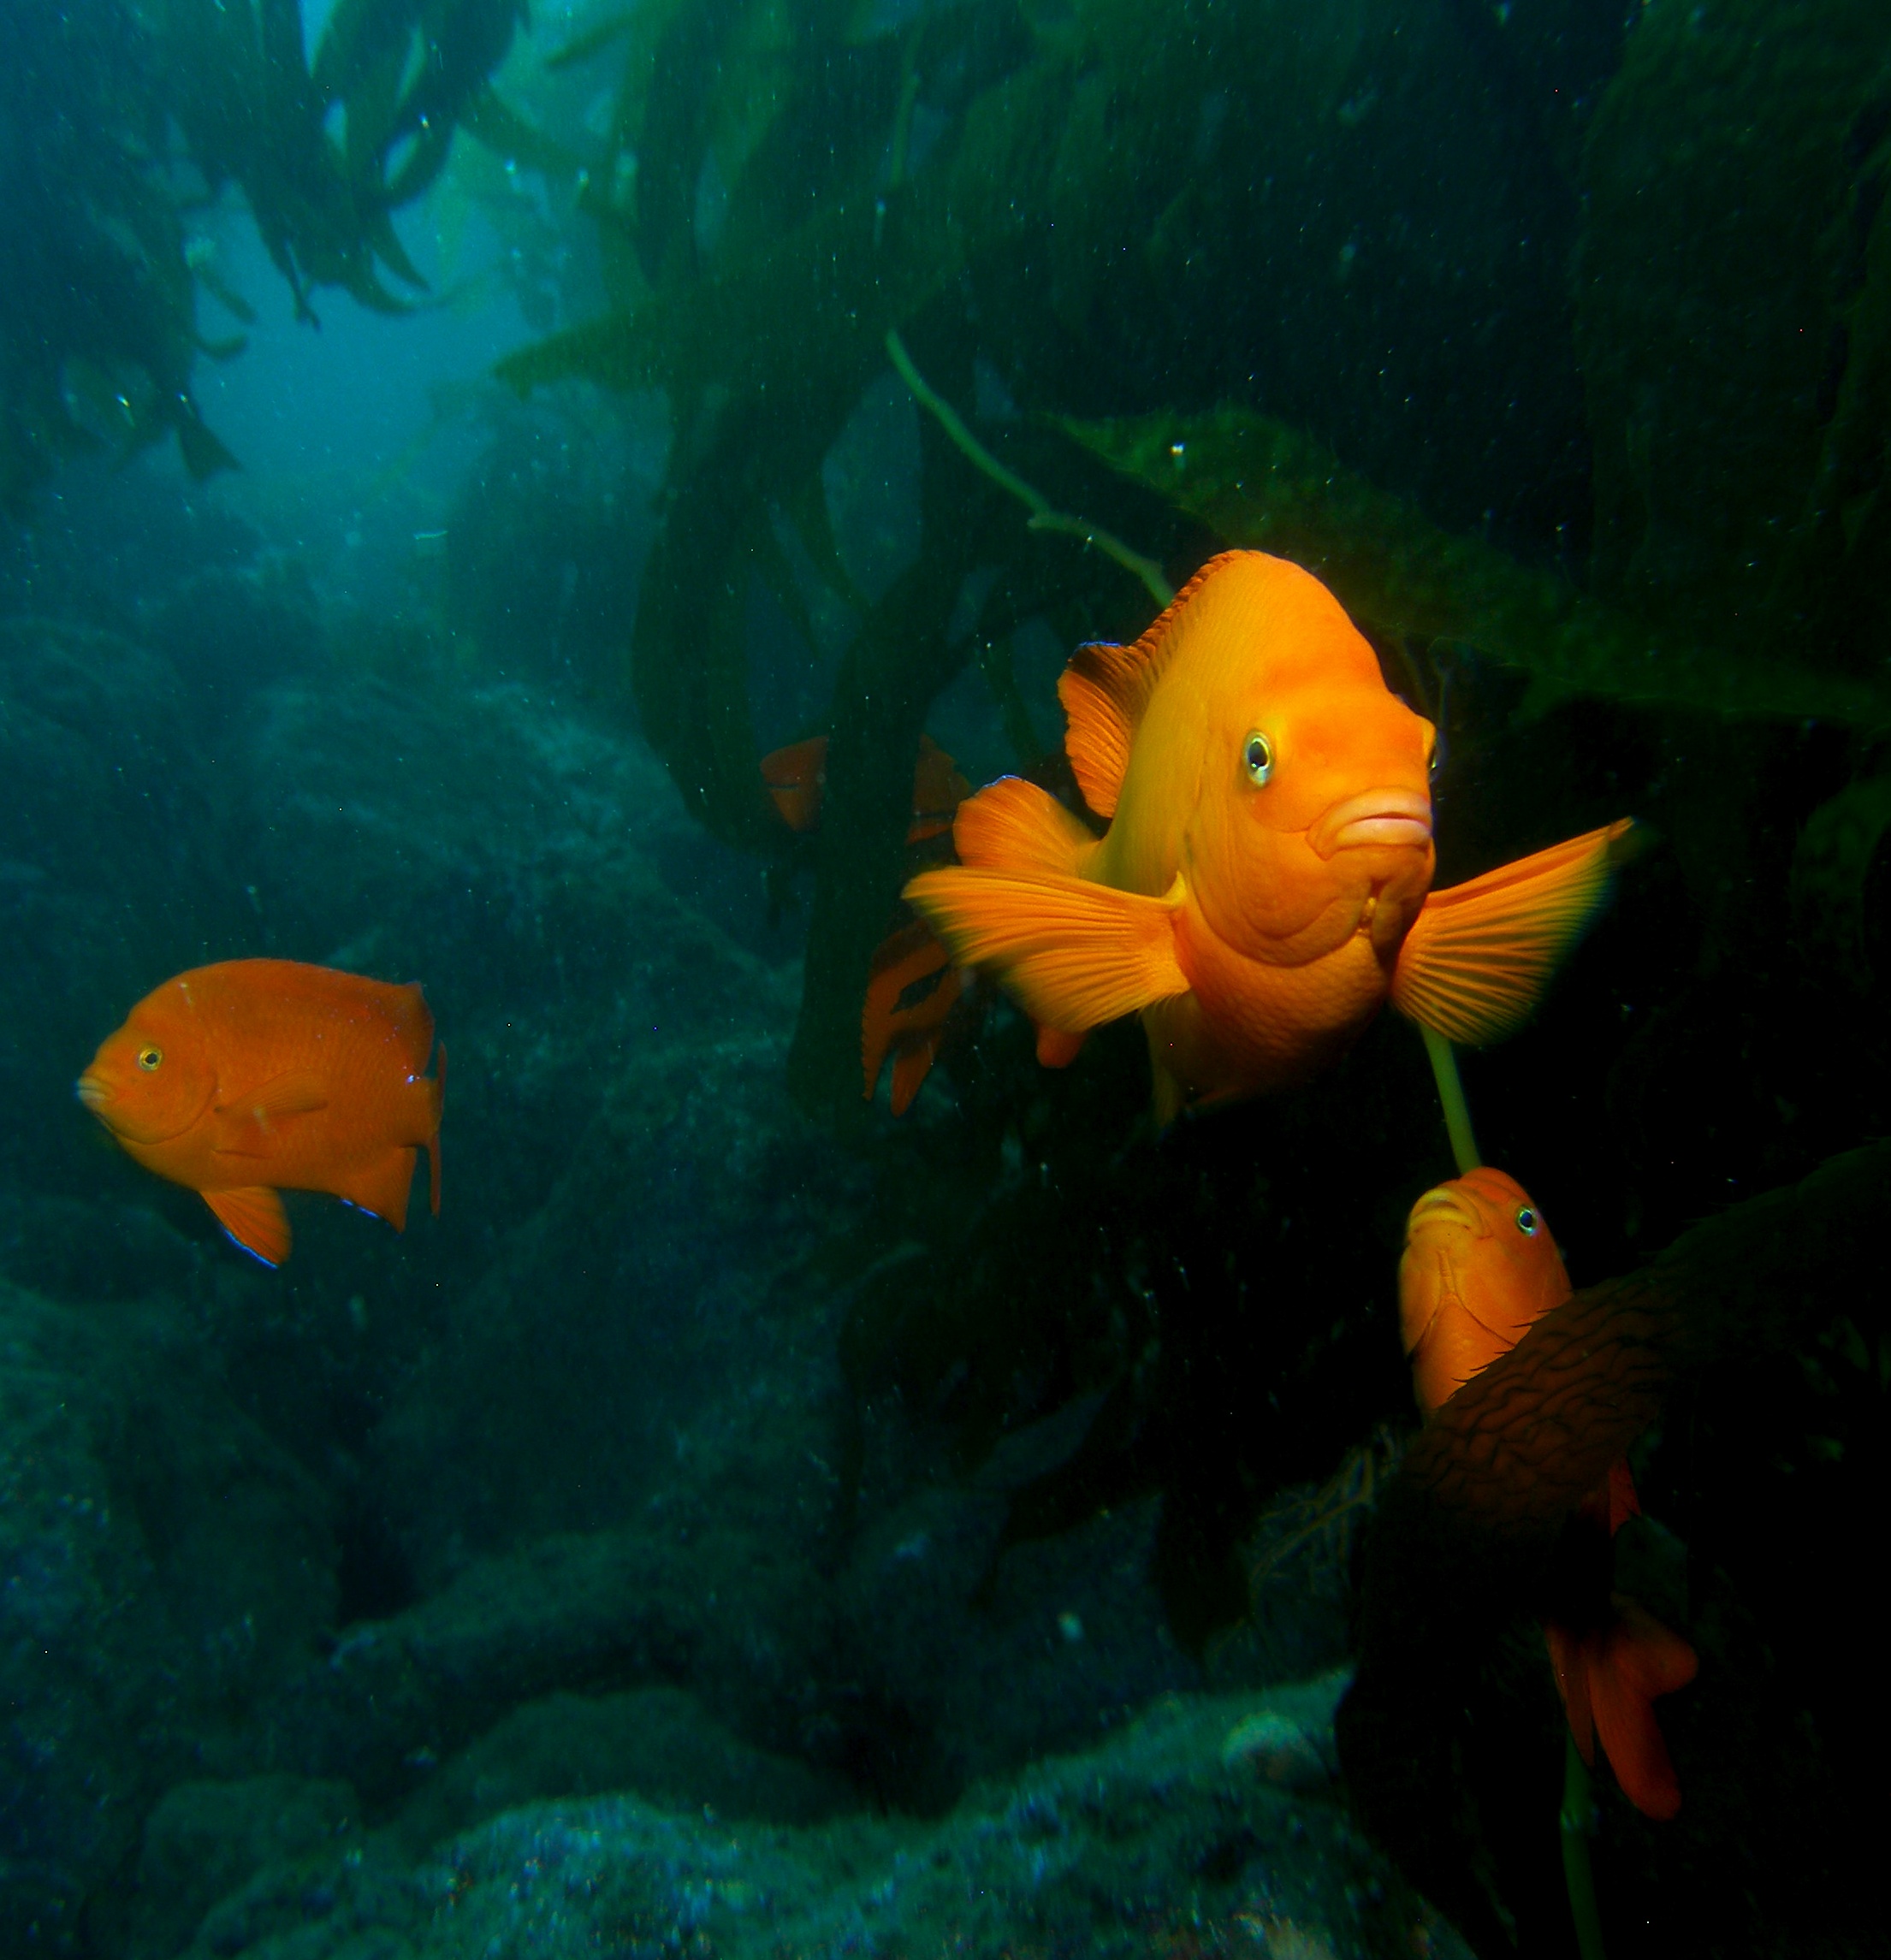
164, 1563
1161, 1836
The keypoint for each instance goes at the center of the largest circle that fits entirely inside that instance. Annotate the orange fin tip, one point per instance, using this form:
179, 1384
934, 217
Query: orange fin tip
253, 1217
1074, 954
1478, 956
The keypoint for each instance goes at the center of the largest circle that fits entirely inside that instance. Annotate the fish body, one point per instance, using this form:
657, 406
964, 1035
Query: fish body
1479, 1268
251, 1077
1264, 884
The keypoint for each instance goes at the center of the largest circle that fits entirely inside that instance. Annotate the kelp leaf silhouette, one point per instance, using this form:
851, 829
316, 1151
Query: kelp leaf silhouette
1257, 482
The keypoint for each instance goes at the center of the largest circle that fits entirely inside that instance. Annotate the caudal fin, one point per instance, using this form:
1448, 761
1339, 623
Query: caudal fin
1478, 956
433, 1141
910, 989
795, 778
1636, 1659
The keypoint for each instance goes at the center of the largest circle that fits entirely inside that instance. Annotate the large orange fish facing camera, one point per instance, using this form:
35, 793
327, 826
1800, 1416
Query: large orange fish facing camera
1479, 1268
1264, 882
251, 1077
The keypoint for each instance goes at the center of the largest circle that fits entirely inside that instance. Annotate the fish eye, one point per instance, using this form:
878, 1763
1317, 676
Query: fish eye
1528, 1223
1257, 754
149, 1058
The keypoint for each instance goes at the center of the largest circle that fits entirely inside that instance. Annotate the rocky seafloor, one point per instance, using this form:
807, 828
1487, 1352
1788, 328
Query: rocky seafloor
491, 1590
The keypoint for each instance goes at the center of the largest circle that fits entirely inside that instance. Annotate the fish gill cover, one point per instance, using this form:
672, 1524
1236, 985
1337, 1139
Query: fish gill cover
1554, 337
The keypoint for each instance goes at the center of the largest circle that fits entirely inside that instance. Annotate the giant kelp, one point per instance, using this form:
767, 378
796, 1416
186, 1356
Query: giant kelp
1060, 199
1255, 481
1731, 325
123, 118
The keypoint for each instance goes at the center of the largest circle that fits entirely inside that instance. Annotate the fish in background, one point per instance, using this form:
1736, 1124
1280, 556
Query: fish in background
1263, 884
795, 779
911, 986
1479, 1268
251, 1077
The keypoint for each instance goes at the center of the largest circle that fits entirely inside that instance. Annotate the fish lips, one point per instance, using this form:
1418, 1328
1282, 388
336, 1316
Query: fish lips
93, 1091
1381, 817
1444, 1207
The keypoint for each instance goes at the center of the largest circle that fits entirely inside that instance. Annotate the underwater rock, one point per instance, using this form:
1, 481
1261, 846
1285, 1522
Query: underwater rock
657, 1742
229, 633
1149, 1841
163, 1562
205, 1839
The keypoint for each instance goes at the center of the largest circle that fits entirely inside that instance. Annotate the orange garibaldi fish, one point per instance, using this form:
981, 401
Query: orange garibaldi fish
1264, 882
1479, 1267
255, 1076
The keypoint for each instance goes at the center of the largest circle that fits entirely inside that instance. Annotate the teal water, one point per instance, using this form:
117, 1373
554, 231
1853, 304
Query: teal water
445, 455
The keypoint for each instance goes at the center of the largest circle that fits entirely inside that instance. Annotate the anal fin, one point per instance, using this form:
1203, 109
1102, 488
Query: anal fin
253, 1216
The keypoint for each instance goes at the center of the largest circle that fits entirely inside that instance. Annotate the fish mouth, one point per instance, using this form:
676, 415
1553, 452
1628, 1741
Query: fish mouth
91, 1091
1441, 1206
1375, 816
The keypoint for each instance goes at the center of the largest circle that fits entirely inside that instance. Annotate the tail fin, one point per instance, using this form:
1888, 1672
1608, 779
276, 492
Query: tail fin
433, 1135
902, 1016
795, 778
1609, 1678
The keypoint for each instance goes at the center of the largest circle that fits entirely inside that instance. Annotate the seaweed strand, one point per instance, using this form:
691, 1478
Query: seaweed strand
1043, 516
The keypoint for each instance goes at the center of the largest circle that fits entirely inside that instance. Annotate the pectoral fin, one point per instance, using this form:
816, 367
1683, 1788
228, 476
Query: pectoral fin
248, 1125
1476, 959
254, 1218
1073, 953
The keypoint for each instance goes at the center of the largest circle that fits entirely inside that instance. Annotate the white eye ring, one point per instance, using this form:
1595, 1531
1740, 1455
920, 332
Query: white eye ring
1528, 1223
1257, 756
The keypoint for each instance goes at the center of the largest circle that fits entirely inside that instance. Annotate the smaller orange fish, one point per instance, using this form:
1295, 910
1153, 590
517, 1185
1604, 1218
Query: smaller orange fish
797, 778
910, 986
1479, 1268
251, 1077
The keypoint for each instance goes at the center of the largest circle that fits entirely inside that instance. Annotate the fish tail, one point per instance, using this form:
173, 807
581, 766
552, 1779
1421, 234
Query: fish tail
795, 778
433, 1135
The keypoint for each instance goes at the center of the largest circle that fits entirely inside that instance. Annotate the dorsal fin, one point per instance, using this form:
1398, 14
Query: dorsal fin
1105, 689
